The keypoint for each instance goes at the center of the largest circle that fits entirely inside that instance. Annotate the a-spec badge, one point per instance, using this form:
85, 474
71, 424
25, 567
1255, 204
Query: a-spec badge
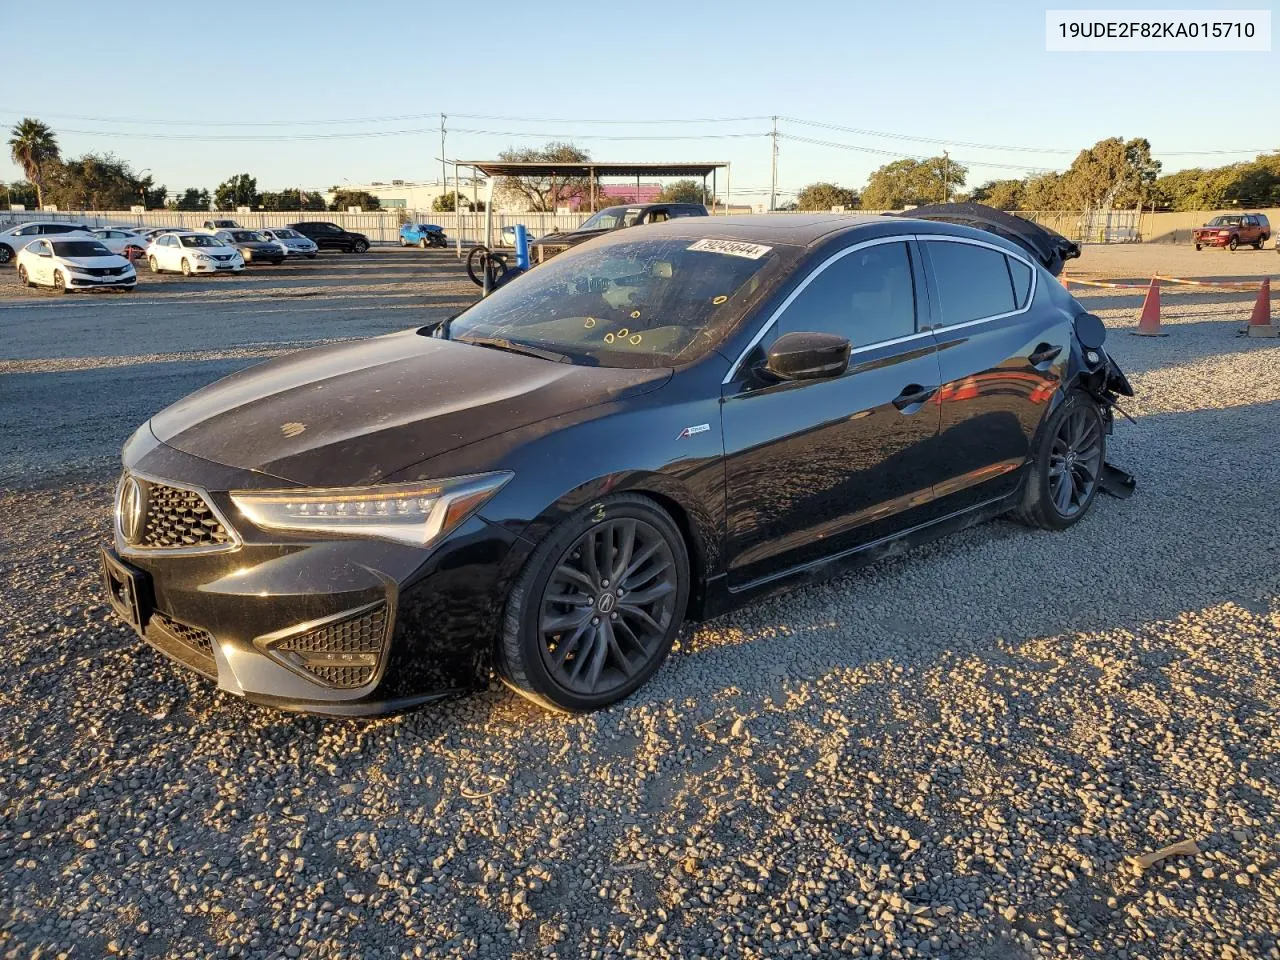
690, 431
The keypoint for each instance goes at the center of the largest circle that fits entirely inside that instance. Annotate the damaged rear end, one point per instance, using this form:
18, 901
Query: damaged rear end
1101, 377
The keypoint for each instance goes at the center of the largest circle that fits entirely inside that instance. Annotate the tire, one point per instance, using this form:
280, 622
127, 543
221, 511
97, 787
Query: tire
1232, 244
1042, 501
360, 246
478, 261
404, 242
6, 253
60, 282
22, 276
527, 647
186, 267
422, 244
1197, 246
1258, 245
151, 263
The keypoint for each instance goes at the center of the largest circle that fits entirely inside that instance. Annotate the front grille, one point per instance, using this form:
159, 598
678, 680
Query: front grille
179, 641
178, 518
343, 653
222, 256
105, 271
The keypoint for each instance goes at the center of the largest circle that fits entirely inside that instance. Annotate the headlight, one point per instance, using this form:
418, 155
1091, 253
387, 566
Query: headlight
76, 268
412, 513
201, 256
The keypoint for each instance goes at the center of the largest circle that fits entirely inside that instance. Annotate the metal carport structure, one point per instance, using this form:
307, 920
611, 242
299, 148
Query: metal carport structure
592, 171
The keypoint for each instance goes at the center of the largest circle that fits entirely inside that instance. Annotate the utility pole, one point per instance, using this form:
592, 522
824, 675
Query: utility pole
444, 180
946, 177
773, 180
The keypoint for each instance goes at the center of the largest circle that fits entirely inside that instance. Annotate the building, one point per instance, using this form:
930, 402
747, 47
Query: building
407, 194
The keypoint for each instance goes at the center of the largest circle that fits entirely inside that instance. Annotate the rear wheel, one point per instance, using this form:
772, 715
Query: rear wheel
22, 276
597, 607
1261, 241
151, 262
1062, 481
6, 253
403, 242
360, 246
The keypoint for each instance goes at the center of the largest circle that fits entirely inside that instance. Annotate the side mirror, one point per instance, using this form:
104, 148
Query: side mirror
1090, 331
808, 356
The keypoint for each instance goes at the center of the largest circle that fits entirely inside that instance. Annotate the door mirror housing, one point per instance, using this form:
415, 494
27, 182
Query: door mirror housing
808, 356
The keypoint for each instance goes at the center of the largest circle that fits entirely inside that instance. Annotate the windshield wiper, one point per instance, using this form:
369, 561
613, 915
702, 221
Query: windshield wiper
501, 343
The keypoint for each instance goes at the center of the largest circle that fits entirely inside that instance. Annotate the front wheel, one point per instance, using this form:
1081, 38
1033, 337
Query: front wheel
1197, 246
1232, 244
186, 267
597, 607
60, 282
22, 276
422, 244
404, 242
1062, 480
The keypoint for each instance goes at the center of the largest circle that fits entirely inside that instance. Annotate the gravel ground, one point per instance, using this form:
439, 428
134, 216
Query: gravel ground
952, 754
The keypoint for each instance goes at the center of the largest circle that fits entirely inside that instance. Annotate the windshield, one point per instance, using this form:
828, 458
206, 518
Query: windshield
643, 303
606, 219
1225, 222
80, 248
285, 235
200, 240
247, 236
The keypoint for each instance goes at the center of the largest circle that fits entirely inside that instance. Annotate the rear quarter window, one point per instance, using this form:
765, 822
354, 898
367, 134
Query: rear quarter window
1020, 274
973, 282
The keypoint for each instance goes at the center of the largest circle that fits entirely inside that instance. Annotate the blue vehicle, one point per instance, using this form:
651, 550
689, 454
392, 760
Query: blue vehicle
422, 235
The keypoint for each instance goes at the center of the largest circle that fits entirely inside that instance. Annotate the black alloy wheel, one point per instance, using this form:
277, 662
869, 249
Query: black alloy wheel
6, 253
360, 246
1062, 483
598, 606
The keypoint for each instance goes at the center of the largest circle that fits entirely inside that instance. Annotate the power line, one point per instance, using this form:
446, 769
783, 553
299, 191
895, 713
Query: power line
411, 131
901, 155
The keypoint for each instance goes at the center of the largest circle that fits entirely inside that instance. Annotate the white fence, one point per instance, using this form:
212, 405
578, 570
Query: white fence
380, 227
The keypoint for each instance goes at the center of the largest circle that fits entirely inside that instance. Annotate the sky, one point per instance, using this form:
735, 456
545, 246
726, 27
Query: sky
195, 100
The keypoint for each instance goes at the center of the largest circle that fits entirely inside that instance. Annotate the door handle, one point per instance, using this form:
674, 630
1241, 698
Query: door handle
1043, 354
913, 394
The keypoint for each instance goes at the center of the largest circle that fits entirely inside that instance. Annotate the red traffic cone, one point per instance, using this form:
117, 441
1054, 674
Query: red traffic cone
1261, 315
1149, 319
1260, 324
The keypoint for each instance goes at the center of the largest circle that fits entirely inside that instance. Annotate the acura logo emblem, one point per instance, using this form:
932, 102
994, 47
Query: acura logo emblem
131, 510
606, 602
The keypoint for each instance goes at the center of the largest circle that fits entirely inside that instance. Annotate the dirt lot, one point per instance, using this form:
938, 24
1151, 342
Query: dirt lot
949, 755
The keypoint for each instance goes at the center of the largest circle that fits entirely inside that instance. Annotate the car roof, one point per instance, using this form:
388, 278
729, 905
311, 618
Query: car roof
46, 223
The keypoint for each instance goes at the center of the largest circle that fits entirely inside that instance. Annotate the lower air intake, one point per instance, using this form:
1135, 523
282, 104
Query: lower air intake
342, 653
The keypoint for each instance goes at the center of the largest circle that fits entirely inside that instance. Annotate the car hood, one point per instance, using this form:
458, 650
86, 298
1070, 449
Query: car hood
111, 261
356, 413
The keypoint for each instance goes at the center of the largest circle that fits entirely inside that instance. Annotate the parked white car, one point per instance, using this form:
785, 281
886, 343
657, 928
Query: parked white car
15, 238
122, 240
192, 252
75, 263
294, 243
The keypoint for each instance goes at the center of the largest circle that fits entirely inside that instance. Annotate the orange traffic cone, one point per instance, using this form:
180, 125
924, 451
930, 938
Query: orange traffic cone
1262, 306
1149, 319
1260, 324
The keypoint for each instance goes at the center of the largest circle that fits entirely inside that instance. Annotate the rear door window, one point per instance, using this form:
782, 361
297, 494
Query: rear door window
867, 296
973, 282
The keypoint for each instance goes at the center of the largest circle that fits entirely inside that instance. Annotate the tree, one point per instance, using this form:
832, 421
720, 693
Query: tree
192, 200
21, 193
686, 191
1001, 194
1112, 172
904, 182
97, 181
536, 192
286, 201
448, 203
238, 191
34, 148
824, 196
1043, 192
354, 198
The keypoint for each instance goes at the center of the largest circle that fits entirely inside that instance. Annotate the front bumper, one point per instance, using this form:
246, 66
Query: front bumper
300, 252
87, 283
215, 266
1213, 241
344, 626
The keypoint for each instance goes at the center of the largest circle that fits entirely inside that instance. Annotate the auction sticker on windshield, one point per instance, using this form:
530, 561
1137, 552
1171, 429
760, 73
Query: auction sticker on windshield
734, 248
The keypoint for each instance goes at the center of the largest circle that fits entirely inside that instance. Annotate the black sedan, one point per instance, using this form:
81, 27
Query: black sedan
253, 246
654, 427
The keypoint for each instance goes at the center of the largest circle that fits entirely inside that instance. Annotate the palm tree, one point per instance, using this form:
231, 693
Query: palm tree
33, 144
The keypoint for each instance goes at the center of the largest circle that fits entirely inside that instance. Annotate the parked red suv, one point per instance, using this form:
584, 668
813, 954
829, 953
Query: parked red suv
1233, 231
